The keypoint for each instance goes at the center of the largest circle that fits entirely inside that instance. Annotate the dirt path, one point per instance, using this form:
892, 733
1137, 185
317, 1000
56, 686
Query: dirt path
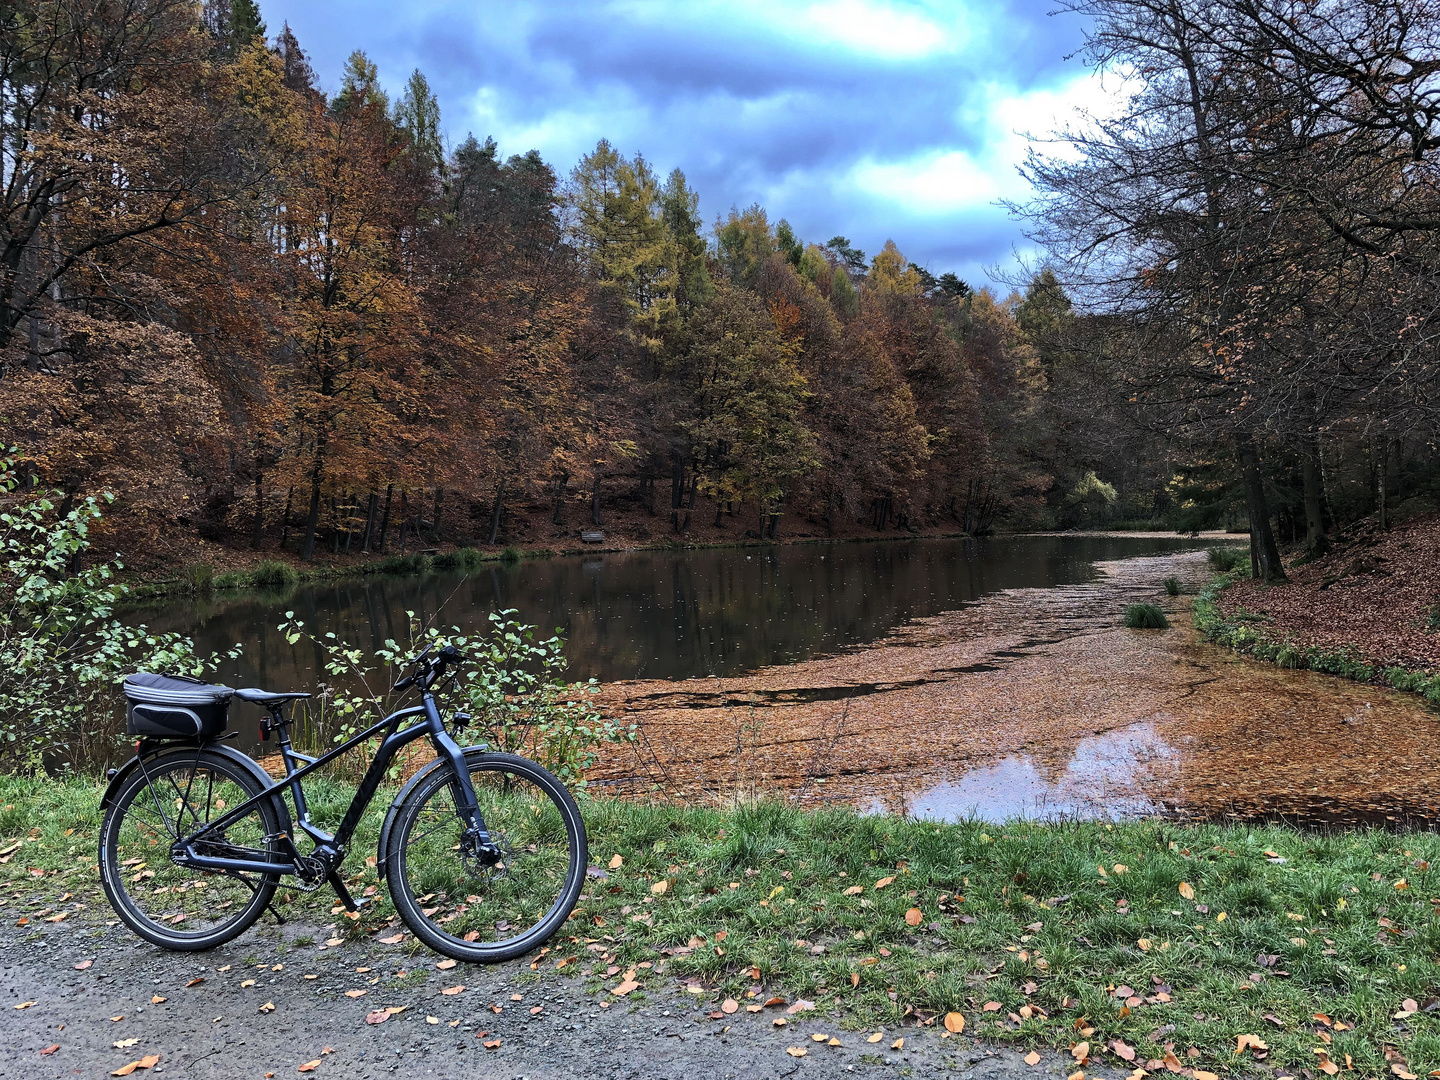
1035, 701
542, 1026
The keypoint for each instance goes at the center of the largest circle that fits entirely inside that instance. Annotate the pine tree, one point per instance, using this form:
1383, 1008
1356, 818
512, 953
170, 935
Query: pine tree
418, 115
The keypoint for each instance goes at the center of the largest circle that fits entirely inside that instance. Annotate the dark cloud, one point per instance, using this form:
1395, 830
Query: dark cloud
752, 108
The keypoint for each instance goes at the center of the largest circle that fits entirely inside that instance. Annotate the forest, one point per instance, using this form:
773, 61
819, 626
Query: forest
271, 318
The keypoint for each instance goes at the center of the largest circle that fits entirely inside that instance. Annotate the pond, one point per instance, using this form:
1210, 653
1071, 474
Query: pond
668, 614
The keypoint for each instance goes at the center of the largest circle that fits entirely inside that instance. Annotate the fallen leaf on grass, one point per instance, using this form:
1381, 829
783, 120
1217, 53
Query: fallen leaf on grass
884, 881
1201, 1074
309, 1066
1124, 1050
1400, 1070
796, 1051
616, 861
854, 890
625, 987
1408, 1007
954, 1023
659, 887
451, 991
801, 1005
991, 1006
1247, 1042
1080, 1051
1032, 1058
1187, 890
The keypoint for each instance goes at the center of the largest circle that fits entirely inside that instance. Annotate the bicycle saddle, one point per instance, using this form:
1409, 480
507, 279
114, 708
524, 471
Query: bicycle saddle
266, 697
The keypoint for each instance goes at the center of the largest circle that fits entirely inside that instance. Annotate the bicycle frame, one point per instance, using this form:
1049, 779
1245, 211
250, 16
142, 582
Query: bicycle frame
183, 850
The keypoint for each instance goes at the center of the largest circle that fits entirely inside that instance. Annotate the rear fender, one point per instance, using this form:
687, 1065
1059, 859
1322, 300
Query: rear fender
382, 853
153, 754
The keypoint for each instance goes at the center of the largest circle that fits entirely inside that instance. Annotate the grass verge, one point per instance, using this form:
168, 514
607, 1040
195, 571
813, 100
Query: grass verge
1244, 632
1148, 938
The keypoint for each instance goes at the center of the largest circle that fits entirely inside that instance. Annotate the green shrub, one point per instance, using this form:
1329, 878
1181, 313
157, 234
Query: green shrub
1226, 559
274, 575
1172, 586
407, 564
1145, 617
465, 558
511, 554
62, 653
198, 578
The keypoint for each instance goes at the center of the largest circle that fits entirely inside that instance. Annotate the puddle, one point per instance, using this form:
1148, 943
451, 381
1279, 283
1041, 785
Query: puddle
1104, 780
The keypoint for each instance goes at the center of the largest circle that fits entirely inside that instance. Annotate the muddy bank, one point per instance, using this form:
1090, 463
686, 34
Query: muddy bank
1035, 702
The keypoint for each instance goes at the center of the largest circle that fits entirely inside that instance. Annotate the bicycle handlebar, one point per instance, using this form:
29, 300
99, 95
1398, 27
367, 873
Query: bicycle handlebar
430, 670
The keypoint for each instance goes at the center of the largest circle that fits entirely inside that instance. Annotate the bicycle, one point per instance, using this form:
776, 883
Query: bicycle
484, 853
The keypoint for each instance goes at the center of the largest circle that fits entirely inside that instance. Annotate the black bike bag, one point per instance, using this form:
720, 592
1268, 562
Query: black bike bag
175, 707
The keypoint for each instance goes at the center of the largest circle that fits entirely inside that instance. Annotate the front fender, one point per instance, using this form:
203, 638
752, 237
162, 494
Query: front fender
149, 754
382, 853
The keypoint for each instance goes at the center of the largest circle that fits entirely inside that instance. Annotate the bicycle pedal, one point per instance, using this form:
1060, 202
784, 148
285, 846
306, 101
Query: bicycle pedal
348, 902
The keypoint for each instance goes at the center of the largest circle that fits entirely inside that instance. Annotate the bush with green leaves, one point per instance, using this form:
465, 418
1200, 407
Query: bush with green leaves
1145, 617
63, 653
513, 688
1226, 559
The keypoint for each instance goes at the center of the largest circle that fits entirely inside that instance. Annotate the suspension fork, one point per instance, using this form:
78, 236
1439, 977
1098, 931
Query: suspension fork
467, 807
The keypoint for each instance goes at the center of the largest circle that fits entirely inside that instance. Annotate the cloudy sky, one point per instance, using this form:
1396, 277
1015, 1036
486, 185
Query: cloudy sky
866, 118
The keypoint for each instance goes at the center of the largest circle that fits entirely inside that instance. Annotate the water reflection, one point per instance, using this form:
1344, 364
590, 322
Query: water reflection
1103, 780
660, 614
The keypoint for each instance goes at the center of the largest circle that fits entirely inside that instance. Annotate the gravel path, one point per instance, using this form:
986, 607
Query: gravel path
507, 1022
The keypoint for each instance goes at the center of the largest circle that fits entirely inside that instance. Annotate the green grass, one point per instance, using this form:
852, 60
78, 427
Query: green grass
1145, 617
1172, 586
274, 575
1226, 559
1243, 632
1038, 923
198, 578
511, 554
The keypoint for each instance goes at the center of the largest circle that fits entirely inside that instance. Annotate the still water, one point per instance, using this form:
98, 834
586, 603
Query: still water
657, 614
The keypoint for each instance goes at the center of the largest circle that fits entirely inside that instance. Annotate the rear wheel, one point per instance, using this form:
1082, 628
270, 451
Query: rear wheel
486, 914
179, 907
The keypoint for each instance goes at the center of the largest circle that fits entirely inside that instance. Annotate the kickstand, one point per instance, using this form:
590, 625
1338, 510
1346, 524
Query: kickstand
278, 917
346, 900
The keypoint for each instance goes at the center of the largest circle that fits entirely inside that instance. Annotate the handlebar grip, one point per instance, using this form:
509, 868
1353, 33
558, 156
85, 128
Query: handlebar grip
404, 683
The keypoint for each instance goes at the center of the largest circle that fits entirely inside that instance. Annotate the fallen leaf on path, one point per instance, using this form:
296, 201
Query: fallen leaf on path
954, 1023
124, 1044
1032, 1058
356, 993
195, 981
451, 991
796, 1051
393, 939
309, 1066
625, 987
379, 1016
84, 965
445, 965
25, 1005
332, 942
1080, 1051
493, 1044
49, 1049
158, 1000
876, 1037
432, 1019
898, 1044
246, 982
268, 1007
729, 1005
801, 1005
1201, 1074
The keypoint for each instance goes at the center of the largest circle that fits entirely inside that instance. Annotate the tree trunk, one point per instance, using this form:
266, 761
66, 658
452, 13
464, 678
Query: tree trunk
307, 548
496, 509
334, 526
285, 520
259, 527
404, 517
677, 487
1316, 543
1381, 482
690, 502
435, 516
370, 521
1267, 553
385, 517
560, 482
595, 501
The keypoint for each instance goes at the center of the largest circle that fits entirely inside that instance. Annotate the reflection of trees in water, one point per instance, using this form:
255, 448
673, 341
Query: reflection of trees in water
656, 614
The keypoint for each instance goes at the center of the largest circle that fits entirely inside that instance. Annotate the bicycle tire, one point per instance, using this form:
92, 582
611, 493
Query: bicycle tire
130, 832
428, 867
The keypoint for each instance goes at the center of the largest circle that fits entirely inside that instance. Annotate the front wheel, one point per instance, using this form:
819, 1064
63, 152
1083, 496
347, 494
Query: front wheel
486, 914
